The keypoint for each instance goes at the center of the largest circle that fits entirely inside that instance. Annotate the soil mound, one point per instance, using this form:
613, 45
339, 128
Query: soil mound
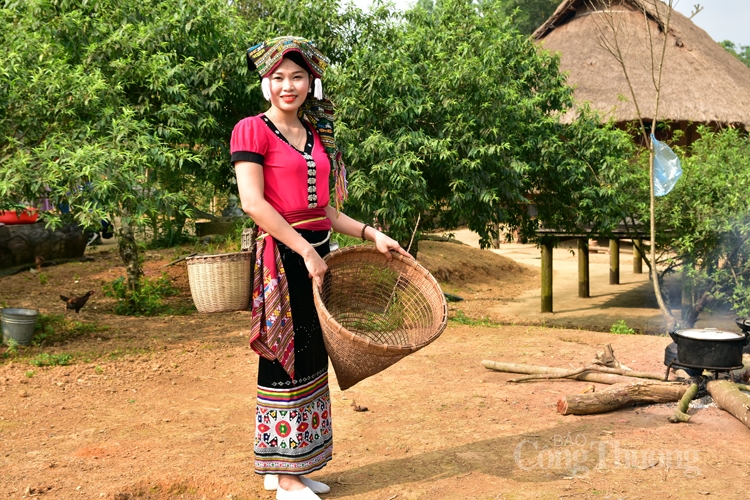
457, 263
481, 277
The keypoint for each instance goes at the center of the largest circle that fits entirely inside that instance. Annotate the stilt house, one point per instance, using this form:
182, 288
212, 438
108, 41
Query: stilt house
701, 82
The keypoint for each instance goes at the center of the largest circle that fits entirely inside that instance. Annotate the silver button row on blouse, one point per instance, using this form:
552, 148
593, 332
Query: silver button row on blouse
312, 196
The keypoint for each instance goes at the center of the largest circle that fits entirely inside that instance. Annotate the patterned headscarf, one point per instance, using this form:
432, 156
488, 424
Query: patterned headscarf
317, 109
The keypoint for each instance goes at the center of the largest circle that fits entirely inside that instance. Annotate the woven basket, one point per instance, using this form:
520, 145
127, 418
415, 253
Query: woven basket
220, 283
374, 312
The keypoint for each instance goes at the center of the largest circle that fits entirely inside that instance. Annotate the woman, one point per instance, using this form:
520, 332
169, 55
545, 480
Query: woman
282, 160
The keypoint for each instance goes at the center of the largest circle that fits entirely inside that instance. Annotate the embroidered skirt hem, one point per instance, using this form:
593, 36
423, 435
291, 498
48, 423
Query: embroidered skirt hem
293, 428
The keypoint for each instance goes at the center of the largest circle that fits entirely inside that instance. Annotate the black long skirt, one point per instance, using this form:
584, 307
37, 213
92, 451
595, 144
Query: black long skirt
293, 433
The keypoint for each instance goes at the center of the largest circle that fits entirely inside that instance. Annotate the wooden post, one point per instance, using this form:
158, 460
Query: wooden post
614, 261
583, 268
546, 277
637, 256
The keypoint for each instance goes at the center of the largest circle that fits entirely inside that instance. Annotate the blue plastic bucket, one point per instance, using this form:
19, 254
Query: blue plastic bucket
18, 324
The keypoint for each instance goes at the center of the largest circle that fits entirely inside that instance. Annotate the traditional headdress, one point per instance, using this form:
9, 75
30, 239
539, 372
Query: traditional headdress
317, 109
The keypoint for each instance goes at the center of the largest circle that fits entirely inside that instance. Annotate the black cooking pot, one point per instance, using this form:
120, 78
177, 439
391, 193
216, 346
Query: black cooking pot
710, 348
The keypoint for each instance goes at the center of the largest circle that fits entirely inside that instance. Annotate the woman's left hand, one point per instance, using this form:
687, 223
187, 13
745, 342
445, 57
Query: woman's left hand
385, 244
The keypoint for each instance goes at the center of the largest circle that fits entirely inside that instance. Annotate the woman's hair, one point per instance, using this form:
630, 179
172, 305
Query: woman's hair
297, 59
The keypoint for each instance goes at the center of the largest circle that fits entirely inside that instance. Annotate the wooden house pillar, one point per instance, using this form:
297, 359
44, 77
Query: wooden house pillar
547, 277
614, 261
637, 256
583, 268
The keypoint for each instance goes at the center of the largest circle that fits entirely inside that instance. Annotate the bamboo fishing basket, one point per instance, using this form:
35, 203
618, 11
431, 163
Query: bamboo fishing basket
374, 311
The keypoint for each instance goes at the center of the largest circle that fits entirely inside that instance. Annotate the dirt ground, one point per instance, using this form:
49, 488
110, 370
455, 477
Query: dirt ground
162, 408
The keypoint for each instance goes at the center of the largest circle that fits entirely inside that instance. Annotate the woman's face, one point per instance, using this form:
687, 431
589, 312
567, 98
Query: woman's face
290, 84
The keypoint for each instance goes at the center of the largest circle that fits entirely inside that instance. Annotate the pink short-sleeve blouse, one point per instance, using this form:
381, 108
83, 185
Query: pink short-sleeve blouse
293, 179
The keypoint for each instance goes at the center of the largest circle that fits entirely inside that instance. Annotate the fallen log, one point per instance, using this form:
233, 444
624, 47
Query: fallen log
728, 397
680, 413
620, 395
602, 374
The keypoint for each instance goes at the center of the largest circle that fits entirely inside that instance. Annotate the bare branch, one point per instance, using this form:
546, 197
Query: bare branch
615, 50
696, 9
657, 67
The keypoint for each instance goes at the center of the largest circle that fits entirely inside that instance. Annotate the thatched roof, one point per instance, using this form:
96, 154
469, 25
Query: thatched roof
701, 81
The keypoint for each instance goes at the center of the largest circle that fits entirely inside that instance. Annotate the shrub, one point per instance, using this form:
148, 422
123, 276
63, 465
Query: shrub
12, 349
146, 301
621, 328
46, 359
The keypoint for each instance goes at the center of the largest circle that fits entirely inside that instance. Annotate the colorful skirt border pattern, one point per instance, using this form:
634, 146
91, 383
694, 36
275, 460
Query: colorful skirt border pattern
293, 433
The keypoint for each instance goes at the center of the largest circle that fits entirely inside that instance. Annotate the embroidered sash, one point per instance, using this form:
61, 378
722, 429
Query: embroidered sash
272, 329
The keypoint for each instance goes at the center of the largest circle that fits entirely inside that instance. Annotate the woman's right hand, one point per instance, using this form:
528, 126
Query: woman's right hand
316, 267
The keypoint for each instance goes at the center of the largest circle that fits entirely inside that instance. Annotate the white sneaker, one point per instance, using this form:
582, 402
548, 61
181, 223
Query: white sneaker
303, 494
316, 486
271, 483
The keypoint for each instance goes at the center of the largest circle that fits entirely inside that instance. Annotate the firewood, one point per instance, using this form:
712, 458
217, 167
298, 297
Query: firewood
608, 359
728, 397
680, 413
592, 368
620, 395
600, 374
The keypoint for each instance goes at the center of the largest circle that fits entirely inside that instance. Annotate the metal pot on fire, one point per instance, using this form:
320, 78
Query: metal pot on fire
710, 348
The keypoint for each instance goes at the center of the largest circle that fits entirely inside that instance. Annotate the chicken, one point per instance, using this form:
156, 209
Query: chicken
39, 261
76, 302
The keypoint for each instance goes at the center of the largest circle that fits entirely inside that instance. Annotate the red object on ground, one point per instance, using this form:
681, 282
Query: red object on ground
9, 216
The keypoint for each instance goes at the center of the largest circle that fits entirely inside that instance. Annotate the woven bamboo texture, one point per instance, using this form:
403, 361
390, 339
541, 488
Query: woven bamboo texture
220, 283
374, 311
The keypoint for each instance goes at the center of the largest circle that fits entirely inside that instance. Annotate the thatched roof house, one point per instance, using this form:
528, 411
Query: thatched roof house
701, 82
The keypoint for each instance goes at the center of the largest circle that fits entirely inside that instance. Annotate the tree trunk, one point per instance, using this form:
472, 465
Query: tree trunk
691, 315
691, 309
665, 311
686, 302
128, 248
729, 398
618, 396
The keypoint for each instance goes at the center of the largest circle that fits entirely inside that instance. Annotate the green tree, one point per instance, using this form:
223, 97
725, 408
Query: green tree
118, 109
741, 52
709, 224
467, 128
702, 225
528, 15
